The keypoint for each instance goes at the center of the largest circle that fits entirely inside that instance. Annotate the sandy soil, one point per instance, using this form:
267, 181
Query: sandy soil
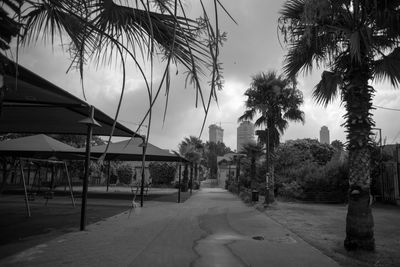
323, 226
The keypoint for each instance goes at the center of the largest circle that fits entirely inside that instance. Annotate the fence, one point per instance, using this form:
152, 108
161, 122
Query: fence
390, 182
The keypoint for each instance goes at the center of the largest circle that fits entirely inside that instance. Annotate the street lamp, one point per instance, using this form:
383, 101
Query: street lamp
143, 145
89, 122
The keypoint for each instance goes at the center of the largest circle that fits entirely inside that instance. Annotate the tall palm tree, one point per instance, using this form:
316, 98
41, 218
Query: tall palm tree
276, 101
357, 41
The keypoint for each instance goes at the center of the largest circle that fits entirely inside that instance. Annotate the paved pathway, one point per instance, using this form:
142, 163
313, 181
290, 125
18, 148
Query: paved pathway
213, 228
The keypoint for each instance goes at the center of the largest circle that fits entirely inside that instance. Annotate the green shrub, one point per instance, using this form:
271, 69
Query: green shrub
162, 173
125, 173
291, 190
329, 183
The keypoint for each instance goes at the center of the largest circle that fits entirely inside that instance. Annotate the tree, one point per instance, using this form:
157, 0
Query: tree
338, 145
277, 101
192, 149
211, 152
103, 31
253, 151
357, 41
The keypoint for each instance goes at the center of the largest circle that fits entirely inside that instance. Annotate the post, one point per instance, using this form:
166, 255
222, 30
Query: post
238, 172
86, 177
69, 184
266, 200
143, 165
179, 182
28, 209
108, 174
191, 177
90, 122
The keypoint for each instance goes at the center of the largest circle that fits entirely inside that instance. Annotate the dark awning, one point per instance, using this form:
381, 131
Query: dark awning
131, 150
32, 104
38, 146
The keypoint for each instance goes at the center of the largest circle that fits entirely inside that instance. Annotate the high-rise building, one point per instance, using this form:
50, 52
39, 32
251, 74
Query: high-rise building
324, 135
215, 133
245, 134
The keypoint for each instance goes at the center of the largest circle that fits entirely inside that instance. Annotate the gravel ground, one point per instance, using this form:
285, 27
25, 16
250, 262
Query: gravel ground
323, 226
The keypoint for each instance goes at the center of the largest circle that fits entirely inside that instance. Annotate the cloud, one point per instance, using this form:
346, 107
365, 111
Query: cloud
252, 47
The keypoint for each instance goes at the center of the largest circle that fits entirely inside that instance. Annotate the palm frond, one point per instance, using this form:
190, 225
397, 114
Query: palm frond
295, 115
327, 89
247, 115
293, 9
388, 67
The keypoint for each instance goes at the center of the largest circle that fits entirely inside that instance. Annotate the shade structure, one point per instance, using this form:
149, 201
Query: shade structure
38, 146
31, 104
131, 150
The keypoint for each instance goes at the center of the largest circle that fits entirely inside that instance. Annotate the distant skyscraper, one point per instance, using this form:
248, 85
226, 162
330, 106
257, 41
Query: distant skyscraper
215, 133
245, 134
324, 135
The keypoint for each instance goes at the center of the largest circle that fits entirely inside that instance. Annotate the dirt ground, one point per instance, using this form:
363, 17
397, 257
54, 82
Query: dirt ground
18, 232
323, 226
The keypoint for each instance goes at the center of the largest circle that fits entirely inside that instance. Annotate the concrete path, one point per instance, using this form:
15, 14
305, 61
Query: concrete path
213, 228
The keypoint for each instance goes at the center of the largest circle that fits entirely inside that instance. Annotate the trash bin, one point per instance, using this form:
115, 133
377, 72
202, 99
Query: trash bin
254, 196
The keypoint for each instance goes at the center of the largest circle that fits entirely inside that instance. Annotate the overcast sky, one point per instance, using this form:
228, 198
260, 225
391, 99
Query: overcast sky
252, 47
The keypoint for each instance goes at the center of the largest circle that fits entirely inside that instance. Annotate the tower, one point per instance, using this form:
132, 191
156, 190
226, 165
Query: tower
324, 135
215, 133
245, 134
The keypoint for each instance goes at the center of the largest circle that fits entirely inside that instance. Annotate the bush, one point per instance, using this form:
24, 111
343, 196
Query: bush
291, 190
162, 173
125, 173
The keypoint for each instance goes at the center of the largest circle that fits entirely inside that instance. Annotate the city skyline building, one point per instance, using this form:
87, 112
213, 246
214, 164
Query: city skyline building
324, 135
245, 134
215, 134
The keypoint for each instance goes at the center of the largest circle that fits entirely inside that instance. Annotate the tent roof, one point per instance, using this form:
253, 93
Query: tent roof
32, 104
37, 146
130, 150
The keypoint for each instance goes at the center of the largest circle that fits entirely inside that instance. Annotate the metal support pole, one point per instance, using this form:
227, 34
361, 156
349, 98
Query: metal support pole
238, 175
179, 183
28, 209
87, 165
69, 184
191, 177
143, 166
108, 174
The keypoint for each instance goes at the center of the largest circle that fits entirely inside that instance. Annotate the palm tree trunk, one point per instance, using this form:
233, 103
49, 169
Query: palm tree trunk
253, 173
358, 101
270, 169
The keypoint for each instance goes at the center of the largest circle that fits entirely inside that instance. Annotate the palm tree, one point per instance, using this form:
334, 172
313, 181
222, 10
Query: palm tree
357, 41
277, 101
253, 151
192, 149
102, 31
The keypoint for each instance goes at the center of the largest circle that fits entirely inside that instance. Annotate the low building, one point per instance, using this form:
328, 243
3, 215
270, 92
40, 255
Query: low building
226, 168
